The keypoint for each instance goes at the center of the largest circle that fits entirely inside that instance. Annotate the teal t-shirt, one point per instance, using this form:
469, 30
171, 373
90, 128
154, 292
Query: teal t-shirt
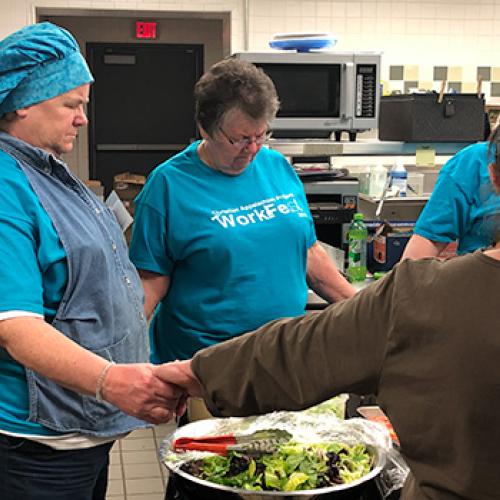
463, 205
33, 276
234, 247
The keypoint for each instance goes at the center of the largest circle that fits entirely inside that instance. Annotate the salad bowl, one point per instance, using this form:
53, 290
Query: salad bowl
310, 428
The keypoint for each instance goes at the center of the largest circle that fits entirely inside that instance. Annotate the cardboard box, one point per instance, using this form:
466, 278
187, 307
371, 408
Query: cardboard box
386, 244
127, 185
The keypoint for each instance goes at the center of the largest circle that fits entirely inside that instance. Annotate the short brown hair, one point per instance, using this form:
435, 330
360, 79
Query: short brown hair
234, 83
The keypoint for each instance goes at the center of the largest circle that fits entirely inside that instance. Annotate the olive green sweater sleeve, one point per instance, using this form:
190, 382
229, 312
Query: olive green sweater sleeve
291, 364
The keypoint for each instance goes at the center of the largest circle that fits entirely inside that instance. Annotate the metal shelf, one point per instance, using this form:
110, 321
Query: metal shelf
362, 147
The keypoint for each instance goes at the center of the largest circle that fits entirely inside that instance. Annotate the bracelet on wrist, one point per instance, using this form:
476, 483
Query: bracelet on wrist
100, 381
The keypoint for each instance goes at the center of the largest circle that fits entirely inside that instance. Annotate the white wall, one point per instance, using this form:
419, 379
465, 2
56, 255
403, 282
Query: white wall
439, 32
417, 34
419, 31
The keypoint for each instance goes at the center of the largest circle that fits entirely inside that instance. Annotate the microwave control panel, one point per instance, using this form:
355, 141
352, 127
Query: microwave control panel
366, 90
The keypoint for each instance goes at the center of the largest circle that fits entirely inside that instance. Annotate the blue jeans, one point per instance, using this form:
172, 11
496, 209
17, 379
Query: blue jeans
33, 471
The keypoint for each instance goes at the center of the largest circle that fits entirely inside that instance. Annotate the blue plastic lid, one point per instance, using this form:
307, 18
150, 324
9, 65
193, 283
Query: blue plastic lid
304, 44
399, 174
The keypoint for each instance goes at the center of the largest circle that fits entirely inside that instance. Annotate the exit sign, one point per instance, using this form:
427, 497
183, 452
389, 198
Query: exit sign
145, 29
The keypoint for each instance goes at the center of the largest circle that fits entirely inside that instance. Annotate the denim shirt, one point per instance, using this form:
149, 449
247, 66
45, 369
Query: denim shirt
102, 306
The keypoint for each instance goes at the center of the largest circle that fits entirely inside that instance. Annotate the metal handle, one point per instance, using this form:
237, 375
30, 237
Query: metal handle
382, 197
348, 92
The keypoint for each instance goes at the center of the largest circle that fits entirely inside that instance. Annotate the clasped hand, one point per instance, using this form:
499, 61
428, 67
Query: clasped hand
152, 393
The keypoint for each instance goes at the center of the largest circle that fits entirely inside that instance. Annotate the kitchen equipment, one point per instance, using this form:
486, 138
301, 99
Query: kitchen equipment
386, 243
387, 184
263, 441
415, 184
304, 427
322, 92
377, 182
423, 118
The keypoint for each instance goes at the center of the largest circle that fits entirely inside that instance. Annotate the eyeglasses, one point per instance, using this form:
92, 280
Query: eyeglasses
246, 141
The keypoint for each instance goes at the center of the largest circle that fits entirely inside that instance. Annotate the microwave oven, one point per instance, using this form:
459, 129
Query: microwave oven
322, 92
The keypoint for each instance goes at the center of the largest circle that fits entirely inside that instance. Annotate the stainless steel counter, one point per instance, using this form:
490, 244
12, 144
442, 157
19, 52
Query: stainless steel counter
315, 302
394, 209
361, 147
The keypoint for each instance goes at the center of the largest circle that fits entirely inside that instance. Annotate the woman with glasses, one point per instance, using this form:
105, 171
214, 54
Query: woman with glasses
223, 238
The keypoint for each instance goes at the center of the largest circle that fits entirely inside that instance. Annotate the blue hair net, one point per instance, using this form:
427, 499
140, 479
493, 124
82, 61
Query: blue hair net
39, 62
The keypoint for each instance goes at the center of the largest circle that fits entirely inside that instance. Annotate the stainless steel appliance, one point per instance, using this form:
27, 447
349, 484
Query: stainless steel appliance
332, 204
322, 92
331, 194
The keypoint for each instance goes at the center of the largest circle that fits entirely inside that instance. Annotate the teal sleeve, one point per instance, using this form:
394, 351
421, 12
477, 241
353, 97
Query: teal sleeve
149, 248
20, 274
446, 214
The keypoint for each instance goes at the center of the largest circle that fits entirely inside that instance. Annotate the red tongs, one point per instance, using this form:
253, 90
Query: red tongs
263, 441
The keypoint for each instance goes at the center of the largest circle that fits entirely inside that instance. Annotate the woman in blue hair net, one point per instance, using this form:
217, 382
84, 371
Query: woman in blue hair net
73, 338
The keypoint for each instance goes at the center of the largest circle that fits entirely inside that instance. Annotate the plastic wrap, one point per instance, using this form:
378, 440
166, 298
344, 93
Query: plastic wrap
305, 427
394, 474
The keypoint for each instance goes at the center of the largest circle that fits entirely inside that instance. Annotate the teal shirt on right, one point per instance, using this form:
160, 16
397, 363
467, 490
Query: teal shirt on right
463, 205
234, 247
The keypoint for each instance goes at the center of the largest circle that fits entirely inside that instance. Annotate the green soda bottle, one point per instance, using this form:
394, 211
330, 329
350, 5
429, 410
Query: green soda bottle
357, 237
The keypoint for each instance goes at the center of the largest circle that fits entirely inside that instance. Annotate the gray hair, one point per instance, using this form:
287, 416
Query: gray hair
234, 83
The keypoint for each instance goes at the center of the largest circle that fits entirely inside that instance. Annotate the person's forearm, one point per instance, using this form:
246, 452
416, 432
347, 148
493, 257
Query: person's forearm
331, 286
419, 247
324, 278
155, 288
38, 346
133, 387
291, 364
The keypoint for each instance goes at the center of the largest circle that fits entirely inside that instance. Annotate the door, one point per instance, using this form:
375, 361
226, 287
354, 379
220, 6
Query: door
141, 105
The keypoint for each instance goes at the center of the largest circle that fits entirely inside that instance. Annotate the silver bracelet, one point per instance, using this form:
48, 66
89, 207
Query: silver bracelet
100, 381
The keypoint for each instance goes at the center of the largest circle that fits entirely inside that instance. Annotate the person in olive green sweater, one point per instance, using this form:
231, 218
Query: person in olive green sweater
425, 339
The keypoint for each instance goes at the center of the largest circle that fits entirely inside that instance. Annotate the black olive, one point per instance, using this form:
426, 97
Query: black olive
238, 465
195, 468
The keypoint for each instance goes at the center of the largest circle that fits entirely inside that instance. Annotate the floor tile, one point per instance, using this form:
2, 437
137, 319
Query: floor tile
136, 471
140, 457
115, 487
141, 433
142, 486
151, 496
115, 459
141, 444
115, 471
163, 430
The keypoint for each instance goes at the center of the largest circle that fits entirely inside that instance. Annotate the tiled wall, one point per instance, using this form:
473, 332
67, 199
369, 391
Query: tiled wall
422, 33
405, 78
436, 32
420, 40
